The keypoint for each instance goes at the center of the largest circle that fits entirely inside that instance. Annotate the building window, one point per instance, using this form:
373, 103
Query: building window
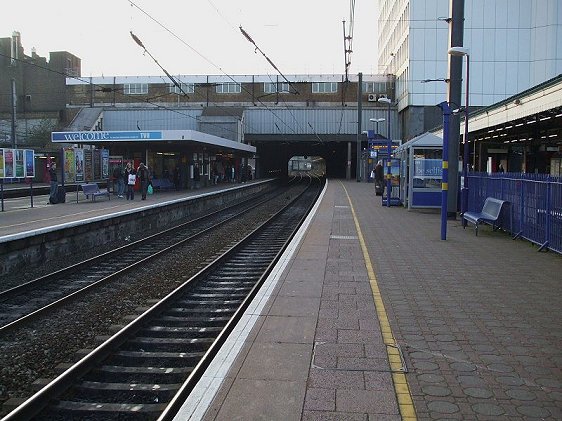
228, 88
324, 87
374, 87
187, 88
135, 88
272, 87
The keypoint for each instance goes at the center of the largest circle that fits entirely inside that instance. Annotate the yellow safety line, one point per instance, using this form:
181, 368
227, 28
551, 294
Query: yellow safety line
401, 388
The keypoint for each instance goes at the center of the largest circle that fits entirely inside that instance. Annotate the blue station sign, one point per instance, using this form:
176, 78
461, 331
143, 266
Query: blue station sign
101, 136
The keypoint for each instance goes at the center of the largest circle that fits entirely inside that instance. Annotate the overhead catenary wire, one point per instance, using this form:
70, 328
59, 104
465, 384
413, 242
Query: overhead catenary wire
139, 42
117, 91
204, 58
249, 38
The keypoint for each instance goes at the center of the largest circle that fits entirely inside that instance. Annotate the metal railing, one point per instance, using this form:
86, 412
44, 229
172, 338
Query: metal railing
535, 199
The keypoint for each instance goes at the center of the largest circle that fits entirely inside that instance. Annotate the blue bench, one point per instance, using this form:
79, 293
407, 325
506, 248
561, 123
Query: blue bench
92, 189
490, 214
162, 184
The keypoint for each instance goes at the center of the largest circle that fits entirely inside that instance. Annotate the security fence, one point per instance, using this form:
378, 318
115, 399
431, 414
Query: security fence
535, 204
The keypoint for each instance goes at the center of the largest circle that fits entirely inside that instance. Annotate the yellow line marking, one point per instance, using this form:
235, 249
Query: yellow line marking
401, 388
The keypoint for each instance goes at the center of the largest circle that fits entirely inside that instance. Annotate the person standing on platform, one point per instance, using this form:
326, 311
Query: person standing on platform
130, 176
54, 183
379, 179
176, 177
144, 176
118, 176
196, 175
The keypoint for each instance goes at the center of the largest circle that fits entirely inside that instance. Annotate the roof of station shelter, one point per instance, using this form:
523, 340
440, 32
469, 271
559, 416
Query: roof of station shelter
156, 136
424, 140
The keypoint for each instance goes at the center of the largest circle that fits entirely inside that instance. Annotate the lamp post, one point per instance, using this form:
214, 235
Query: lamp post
389, 151
445, 165
377, 121
462, 51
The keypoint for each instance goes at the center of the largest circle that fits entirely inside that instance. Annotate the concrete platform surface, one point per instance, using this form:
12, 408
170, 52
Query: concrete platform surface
19, 216
371, 316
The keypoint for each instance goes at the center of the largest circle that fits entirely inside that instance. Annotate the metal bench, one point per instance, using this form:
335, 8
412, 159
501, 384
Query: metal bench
162, 184
92, 189
490, 214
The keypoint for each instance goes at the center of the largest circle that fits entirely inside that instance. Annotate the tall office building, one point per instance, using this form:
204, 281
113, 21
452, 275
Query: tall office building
514, 45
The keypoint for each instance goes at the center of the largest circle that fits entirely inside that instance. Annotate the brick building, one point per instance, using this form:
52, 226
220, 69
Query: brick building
40, 92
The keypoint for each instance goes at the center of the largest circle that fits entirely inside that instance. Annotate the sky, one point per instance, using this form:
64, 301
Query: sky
198, 37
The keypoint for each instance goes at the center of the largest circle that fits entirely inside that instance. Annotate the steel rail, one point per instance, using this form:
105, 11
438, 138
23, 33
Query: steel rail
125, 266
203, 349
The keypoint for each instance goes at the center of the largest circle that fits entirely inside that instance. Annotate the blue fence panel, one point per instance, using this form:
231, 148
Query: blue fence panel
536, 203
555, 239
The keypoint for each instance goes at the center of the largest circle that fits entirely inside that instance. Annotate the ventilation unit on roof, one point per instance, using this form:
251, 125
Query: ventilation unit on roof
372, 98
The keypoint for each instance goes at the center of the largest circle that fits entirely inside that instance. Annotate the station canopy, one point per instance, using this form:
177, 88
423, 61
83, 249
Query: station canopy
153, 136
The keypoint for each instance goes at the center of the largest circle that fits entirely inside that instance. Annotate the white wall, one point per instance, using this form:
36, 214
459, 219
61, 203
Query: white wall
514, 45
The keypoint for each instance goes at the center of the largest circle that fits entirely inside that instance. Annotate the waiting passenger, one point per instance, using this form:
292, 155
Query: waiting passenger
144, 176
131, 177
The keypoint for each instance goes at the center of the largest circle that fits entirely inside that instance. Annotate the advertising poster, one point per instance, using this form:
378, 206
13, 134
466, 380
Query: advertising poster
29, 163
20, 169
69, 165
97, 164
105, 163
1, 163
428, 168
8, 163
88, 169
79, 158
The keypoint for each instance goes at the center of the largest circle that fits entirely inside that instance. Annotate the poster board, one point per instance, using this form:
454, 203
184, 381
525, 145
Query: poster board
17, 163
29, 157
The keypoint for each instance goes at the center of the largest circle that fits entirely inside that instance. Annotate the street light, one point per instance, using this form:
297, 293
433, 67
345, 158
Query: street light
389, 151
377, 121
462, 51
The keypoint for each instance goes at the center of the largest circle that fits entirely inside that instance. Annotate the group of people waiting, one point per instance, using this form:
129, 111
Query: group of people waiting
126, 180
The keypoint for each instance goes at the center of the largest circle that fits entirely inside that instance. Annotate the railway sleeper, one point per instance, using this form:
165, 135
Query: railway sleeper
114, 392
93, 412
223, 300
158, 359
183, 330
134, 374
193, 320
182, 311
147, 344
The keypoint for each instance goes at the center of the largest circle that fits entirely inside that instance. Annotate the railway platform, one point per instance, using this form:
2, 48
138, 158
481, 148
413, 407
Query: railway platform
371, 316
19, 217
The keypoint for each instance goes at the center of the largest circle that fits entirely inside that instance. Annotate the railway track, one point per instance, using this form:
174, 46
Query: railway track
148, 368
31, 300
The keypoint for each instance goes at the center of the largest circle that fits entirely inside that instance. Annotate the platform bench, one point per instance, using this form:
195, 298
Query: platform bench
490, 214
92, 189
162, 184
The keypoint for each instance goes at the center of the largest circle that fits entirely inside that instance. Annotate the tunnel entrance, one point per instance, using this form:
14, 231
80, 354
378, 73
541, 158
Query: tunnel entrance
273, 155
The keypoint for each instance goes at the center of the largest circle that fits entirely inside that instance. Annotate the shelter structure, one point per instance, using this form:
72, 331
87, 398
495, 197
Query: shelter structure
170, 153
421, 171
